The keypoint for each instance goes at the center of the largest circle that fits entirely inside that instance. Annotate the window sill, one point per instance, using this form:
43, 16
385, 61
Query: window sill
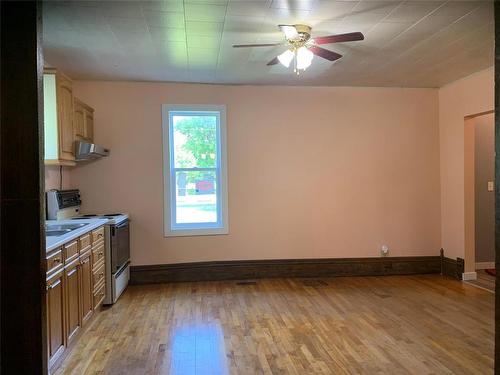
196, 232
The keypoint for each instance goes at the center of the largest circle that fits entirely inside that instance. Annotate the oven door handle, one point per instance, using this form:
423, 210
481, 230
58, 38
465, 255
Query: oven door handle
121, 225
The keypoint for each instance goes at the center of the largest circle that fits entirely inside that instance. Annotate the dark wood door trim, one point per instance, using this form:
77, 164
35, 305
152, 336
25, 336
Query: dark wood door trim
497, 185
22, 240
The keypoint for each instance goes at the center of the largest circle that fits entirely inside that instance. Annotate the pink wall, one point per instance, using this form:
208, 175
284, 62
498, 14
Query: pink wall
468, 96
52, 177
313, 172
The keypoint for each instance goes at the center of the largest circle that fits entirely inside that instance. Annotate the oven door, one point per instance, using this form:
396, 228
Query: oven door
120, 245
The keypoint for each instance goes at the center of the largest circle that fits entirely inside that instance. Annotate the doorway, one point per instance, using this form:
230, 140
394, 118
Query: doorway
479, 174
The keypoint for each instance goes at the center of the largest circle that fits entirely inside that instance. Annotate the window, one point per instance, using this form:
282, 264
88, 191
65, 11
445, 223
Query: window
194, 169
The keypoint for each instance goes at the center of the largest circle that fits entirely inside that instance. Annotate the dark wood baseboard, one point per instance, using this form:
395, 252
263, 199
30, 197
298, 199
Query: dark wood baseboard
452, 267
256, 269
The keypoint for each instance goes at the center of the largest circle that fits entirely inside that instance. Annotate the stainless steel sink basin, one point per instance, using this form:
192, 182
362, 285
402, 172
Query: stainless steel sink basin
55, 230
70, 227
56, 233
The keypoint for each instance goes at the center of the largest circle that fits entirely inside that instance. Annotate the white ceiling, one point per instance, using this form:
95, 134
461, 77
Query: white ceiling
407, 43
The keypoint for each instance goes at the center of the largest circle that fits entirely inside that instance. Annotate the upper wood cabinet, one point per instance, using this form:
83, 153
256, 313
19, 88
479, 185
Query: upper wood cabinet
58, 118
83, 121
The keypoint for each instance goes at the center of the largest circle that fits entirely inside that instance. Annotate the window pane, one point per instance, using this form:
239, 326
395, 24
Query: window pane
196, 198
195, 140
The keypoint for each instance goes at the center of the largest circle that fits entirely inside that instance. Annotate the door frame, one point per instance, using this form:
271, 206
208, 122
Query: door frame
23, 348
469, 195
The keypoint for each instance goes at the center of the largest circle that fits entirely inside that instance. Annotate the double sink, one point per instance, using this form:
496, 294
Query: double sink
56, 230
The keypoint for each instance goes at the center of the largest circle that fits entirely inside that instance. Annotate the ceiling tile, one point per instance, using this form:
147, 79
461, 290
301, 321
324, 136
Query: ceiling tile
327, 9
257, 8
384, 32
412, 11
293, 4
167, 34
204, 28
203, 12
373, 6
202, 58
163, 6
198, 41
164, 19
123, 9
127, 25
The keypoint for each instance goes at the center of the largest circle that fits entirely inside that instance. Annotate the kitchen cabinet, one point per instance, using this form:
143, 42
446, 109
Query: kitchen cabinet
83, 121
75, 289
72, 277
86, 287
58, 118
55, 316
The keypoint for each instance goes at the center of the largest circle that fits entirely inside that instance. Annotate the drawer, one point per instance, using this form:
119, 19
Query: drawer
84, 242
98, 275
54, 260
98, 235
70, 251
99, 295
98, 255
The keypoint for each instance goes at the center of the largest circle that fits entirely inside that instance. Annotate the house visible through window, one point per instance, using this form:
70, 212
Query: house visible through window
194, 164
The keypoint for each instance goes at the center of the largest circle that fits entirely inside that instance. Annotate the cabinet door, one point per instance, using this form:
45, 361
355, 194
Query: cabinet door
55, 316
66, 130
86, 287
79, 120
72, 285
89, 125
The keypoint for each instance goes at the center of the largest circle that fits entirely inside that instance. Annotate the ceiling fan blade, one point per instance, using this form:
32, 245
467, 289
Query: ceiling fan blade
349, 37
256, 45
289, 30
273, 61
324, 53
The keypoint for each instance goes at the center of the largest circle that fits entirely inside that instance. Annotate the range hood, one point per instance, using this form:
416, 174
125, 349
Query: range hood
89, 151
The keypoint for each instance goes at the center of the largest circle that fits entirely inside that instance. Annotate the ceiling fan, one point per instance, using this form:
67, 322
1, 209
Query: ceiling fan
302, 48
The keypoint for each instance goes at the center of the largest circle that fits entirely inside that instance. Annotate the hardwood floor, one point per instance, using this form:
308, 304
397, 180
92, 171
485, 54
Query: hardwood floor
354, 325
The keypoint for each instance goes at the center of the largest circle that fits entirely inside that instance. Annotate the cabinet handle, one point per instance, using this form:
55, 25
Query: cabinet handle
57, 260
73, 270
54, 284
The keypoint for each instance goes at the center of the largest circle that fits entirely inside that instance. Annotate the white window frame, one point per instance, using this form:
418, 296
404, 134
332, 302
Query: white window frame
169, 201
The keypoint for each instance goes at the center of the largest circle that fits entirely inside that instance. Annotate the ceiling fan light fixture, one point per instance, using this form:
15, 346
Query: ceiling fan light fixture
290, 31
286, 58
304, 58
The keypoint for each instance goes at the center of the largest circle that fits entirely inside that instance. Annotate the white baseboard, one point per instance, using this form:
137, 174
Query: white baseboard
484, 265
469, 276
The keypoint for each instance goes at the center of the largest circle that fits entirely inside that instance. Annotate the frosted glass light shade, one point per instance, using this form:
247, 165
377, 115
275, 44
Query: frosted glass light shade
286, 58
304, 58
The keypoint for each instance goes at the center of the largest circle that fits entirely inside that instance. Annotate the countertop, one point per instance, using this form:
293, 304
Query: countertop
54, 242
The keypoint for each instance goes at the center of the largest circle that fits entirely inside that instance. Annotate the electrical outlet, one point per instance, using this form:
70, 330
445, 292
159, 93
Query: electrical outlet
384, 250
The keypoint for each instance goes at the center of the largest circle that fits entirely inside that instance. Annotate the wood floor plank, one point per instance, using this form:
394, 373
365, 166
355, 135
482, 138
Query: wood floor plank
355, 325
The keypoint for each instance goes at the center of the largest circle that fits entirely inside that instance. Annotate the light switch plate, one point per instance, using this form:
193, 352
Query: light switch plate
491, 186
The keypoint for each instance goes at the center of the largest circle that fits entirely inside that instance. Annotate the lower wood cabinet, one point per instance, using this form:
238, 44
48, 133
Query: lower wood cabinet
75, 288
86, 286
72, 280
55, 316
